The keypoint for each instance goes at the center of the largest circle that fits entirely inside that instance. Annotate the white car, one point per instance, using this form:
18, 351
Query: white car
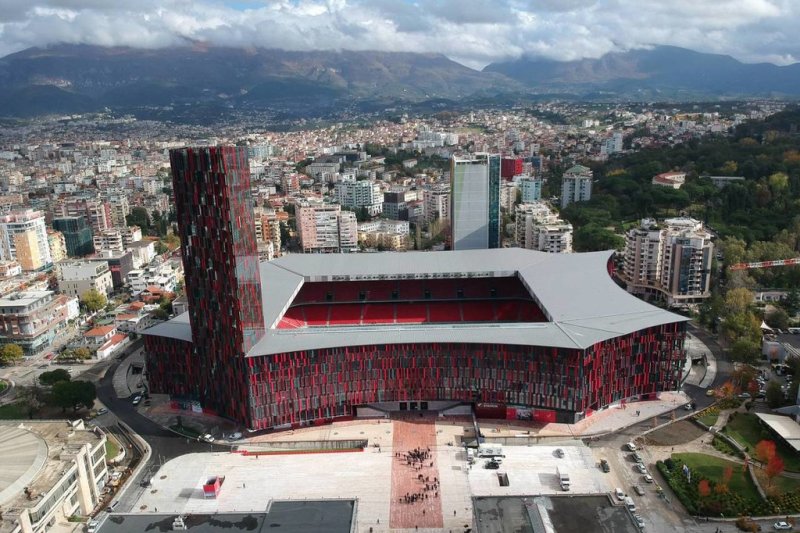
648, 478
781, 526
620, 495
208, 437
102, 411
641, 468
631, 446
137, 399
234, 436
91, 526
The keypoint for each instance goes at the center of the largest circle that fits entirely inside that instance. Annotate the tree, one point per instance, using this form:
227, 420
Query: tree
774, 395
93, 301
704, 488
778, 319
591, 237
54, 376
791, 302
30, 398
73, 394
765, 450
82, 353
10, 354
139, 217
737, 301
744, 351
774, 467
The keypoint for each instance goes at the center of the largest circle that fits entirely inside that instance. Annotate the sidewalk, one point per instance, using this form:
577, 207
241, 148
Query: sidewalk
701, 376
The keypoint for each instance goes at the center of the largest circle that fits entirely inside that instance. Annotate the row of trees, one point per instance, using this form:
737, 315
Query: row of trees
58, 391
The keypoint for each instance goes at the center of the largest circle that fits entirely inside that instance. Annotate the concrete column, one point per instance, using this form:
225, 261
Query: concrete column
85, 500
25, 521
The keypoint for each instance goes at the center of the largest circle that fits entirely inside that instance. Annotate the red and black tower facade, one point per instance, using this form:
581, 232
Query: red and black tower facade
221, 268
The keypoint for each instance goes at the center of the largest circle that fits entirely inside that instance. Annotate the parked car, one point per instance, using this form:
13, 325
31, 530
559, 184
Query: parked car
648, 478
781, 526
102, 411
619, 494
137, 399
91, 526
492, 465
604, 466
710, 392
631, 446
636, 457
641, 468
234, 436
639, 521
638, 490
744, 396
208, 437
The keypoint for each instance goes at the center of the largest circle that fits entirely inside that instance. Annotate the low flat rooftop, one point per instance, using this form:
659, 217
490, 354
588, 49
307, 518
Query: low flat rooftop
330, 516
31, 453
559, 514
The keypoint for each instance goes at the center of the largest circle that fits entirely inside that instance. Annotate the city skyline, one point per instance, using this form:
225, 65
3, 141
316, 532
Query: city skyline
474, 34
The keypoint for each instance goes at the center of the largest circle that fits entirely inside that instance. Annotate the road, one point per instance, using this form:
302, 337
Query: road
164, 444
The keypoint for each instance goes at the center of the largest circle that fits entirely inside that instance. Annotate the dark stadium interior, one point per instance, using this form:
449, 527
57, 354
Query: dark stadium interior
417, 301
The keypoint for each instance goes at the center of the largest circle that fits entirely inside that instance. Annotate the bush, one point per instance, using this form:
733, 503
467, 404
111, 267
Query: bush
722, 445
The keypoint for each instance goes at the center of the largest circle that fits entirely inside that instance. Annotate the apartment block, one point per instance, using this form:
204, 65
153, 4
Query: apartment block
75, 278
24, 234
326, 228
669, 261
538, 228
576, 185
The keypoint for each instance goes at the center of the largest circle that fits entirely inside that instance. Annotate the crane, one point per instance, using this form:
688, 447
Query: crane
766, 264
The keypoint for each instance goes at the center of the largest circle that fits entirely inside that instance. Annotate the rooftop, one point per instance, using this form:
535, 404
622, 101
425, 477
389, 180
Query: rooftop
32, 457
785, 426
583, 305
24, 298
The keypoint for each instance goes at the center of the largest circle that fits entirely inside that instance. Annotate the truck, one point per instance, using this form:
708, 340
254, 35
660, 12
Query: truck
490, 450
563, 478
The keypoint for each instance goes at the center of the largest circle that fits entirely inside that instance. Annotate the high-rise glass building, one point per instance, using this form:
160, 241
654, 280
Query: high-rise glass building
221, 269
77, 235
475, 202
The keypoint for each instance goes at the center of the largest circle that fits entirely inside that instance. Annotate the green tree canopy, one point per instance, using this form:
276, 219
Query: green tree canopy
54, 376
73, 394
591, 238
93, 301
10, 354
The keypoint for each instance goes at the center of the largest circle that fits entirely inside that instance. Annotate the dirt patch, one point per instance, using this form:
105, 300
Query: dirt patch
674, 434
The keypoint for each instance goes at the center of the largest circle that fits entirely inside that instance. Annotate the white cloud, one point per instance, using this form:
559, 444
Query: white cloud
474, 32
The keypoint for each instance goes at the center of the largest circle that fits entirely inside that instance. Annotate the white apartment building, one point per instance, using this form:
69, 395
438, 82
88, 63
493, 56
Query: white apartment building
164, 276
358, 194
326, 228
508, 195
531, 188
27, 231
110, 239
75, 278
538, 228
671, 261
436, 203
576, 185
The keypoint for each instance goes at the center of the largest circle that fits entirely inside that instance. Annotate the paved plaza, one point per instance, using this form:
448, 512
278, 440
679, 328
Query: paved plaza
376, 478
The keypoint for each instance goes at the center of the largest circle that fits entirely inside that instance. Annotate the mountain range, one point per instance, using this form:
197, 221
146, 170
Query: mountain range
79, 78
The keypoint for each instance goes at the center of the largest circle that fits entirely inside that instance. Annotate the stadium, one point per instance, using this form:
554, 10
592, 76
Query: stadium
514, 333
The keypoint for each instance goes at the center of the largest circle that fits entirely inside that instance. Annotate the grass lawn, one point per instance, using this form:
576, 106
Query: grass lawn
112, 449
709, 418
712, 468
13, 411
780, 484
747, 430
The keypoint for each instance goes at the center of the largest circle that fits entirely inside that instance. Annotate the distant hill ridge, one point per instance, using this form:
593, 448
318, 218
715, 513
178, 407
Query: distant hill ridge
79, 78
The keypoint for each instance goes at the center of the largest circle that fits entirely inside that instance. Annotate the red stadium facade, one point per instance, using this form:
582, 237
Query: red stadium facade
516, 333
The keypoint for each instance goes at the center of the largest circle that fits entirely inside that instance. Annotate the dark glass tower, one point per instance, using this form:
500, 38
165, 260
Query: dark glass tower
221, 269
77, 235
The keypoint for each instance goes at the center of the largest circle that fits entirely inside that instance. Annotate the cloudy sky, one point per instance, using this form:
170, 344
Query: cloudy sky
473, 32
